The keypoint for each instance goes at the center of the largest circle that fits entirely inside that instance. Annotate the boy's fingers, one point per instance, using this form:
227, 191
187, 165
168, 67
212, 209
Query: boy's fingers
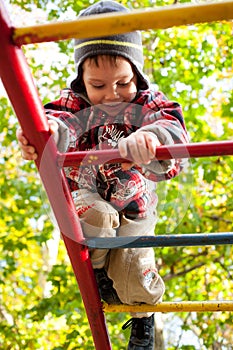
28, 156
152, 143
144, 148
28, 152
151, 146
141, 145
19, 134
140, 151
122, 147
30, 149
136, 145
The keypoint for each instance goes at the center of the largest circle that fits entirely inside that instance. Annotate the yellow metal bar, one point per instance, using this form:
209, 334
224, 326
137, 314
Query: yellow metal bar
184, 306
100, 25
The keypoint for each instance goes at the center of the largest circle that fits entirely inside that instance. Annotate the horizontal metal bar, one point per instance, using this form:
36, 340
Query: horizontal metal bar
183, 306
180, 240
191, 150
143, 19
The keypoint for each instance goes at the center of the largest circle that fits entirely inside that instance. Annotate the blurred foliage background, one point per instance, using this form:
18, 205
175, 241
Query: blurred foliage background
40, 306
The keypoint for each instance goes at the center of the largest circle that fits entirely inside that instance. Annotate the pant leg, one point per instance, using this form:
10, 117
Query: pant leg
133, 270
98, 219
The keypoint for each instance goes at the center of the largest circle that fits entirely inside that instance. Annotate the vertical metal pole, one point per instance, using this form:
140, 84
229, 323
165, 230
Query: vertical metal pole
18, 82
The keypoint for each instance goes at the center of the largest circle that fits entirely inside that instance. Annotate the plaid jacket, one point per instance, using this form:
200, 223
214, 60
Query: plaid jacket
83, 127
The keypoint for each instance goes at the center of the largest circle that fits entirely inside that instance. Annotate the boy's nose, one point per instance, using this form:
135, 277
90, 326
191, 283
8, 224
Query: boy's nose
111, 94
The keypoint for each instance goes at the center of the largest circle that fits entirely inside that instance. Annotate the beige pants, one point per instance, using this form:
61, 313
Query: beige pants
133, 270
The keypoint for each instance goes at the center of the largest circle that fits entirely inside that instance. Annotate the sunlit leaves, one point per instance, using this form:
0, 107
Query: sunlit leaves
40, 305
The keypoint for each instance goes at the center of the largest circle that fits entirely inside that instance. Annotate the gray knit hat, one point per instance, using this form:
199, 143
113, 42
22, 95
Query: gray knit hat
128, 45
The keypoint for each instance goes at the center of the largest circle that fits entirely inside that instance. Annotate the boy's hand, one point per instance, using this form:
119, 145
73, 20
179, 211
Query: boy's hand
28, 151
140, 146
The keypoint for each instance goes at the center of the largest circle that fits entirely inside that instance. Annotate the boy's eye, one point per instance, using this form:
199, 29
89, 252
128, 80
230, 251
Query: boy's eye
124, 84
97, 86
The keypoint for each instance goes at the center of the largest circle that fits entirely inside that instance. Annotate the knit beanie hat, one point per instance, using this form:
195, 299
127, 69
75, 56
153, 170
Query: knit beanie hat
128, 45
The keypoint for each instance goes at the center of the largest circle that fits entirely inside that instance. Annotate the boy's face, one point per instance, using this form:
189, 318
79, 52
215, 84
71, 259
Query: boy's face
109, 83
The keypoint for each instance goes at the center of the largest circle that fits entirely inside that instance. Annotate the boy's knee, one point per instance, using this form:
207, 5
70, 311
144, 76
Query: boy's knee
101, 214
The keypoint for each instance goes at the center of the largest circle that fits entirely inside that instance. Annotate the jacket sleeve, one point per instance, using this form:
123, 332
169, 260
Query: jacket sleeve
63, 133
66, 112
164, 119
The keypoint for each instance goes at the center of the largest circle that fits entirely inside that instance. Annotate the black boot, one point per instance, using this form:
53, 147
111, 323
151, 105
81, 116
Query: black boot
105, 285
142, 333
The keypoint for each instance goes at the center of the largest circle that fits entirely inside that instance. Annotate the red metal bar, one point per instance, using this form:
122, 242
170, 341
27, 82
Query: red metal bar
18, 82
191, 150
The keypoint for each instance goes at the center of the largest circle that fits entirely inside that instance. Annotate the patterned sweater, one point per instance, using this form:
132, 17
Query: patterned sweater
84, 127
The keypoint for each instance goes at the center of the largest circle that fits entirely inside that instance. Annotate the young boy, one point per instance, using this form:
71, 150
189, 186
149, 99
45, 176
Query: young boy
111, 104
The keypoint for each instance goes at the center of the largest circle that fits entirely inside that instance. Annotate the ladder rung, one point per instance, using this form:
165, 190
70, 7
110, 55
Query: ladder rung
182, 306
200, 239
190, 150
95, 26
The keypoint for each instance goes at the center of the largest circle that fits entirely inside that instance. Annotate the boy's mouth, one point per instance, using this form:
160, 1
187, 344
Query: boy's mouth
112, 108
113, 104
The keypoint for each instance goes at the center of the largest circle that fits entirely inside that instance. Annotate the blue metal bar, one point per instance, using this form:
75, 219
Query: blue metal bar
201, 239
